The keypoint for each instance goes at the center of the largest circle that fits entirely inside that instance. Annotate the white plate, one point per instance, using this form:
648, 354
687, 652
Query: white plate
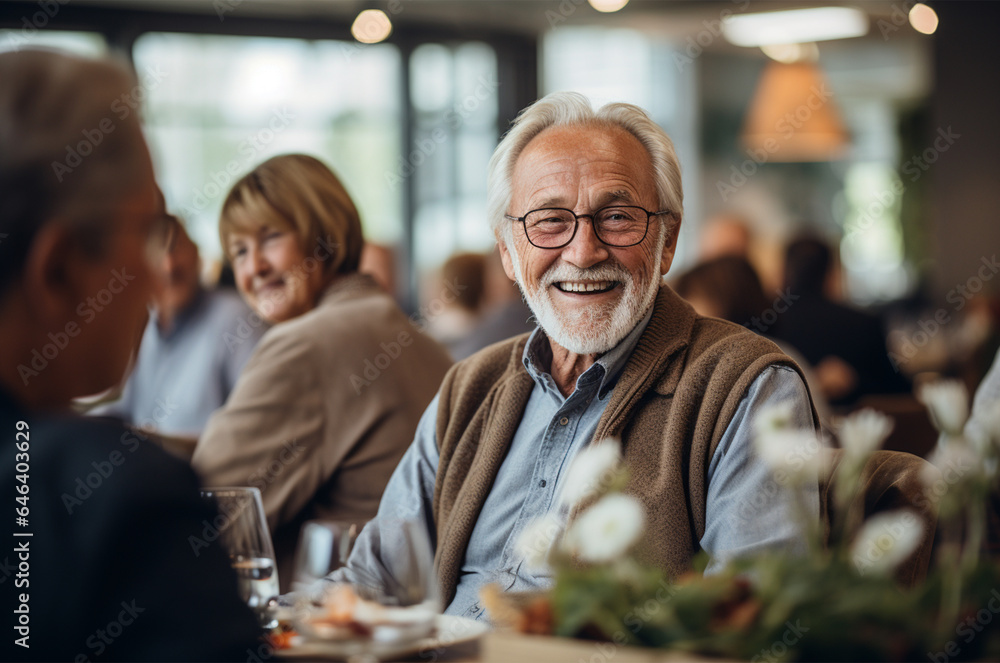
449, 631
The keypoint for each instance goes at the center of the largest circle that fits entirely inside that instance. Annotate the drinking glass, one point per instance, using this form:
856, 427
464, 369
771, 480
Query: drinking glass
391, 575
324, 546
244, 534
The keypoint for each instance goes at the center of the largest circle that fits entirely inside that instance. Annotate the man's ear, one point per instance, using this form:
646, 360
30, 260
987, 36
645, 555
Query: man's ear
505, 258
670, 246
54, 278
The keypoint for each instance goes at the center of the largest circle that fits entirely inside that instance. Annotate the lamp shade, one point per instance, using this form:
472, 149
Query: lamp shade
793, 116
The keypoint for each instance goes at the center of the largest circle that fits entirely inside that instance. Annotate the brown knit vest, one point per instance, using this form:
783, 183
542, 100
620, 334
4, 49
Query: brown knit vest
672, 403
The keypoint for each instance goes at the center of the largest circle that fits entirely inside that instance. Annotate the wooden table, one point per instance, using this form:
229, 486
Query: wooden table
508, 647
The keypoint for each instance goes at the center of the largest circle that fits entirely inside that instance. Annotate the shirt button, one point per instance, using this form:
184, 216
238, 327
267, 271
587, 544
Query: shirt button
563, 421
542, 483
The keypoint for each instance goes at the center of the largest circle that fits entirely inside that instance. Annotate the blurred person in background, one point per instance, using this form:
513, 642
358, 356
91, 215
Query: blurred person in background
728, 287
456, 300
194, 347
331, 397
109, 517
379, 262
726, 234
846, 346
504, 312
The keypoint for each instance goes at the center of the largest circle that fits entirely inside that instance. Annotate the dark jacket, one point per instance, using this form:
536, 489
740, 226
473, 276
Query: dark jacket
109, 571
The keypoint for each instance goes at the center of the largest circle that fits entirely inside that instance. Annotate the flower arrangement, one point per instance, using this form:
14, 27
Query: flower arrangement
841, 601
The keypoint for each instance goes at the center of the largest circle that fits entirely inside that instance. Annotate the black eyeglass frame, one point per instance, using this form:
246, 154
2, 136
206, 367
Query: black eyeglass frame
576, 224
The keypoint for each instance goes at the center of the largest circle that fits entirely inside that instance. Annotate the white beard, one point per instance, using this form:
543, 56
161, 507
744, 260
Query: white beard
597, 328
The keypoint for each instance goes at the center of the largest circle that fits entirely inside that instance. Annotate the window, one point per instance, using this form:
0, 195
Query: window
454, 102
618, 65
218, 106
89, 44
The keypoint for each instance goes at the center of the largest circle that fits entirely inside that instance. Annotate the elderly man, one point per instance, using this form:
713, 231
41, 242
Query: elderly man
194, 347
97, 561
586, 208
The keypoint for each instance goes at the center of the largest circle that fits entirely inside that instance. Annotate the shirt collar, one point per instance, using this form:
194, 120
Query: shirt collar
538, 354
182, 316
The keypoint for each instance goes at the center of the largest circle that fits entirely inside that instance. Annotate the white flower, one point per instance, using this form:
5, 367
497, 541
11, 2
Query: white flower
983, 428
886, 540
535, 541
863, 432
606, 530
589, 471
797, 453
953, 461
948, 403
774, 418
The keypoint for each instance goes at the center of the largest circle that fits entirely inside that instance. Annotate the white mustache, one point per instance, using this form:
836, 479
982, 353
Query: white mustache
565, 272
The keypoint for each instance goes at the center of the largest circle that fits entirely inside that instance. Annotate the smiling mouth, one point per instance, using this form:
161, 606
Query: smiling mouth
268, 287
586, 287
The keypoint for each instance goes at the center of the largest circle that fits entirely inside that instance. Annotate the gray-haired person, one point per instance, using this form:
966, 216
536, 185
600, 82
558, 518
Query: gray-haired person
97, 560
586, 207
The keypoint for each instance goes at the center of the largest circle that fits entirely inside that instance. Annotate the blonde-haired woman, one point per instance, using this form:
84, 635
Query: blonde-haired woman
331, 397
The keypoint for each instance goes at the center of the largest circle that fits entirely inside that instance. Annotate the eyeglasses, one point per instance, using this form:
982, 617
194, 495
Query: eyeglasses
618, 225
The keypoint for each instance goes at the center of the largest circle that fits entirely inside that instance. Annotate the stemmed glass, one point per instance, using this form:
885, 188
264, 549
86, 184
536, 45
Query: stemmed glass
244, 533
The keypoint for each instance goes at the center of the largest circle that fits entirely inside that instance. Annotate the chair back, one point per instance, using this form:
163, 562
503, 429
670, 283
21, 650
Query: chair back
890, 480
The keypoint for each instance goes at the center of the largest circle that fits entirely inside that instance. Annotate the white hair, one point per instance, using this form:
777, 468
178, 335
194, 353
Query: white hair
574, 109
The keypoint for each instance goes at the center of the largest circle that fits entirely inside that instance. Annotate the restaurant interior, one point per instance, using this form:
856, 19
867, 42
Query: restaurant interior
865, 127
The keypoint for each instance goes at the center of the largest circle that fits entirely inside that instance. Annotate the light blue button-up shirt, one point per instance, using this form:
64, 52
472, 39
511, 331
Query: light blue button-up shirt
746, 510
184, 374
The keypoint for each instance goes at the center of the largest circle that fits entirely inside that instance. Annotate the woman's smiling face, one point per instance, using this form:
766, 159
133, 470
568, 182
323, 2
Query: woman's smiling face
272, 273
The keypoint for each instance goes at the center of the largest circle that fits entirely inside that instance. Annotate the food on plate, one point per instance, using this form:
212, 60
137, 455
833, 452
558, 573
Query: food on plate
344, 615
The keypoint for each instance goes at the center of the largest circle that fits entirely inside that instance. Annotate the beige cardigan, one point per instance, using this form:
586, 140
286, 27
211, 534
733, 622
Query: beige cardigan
323, 411
673, 401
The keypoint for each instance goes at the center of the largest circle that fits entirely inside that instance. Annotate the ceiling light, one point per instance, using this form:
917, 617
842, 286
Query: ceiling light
793, 117
371, 26
795, 26
789, 53
608, 5
923, 19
